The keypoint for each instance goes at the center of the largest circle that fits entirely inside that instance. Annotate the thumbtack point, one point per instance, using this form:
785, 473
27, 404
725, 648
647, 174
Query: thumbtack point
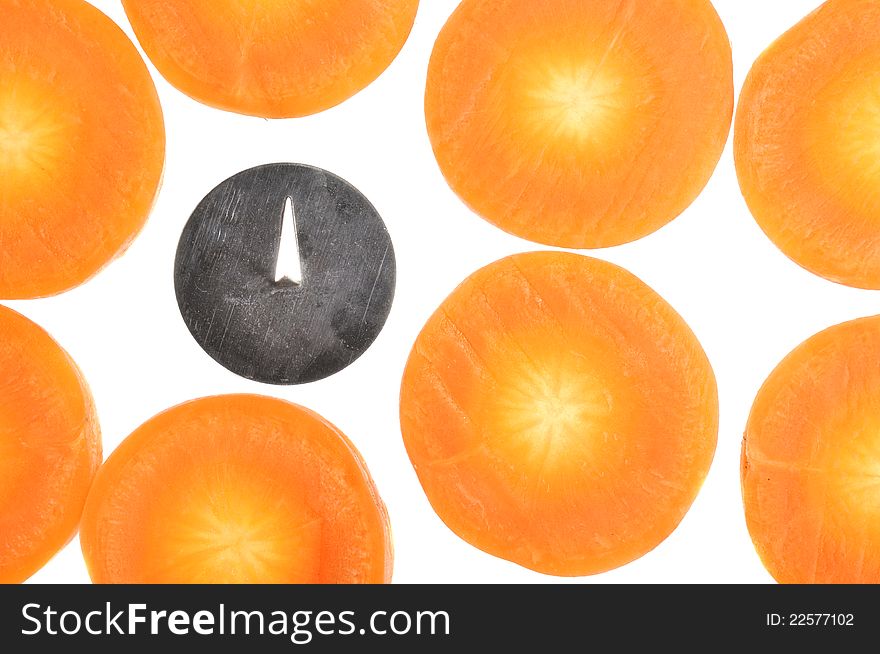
288, 265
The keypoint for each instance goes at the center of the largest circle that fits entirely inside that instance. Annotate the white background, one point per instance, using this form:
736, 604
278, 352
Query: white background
747, 303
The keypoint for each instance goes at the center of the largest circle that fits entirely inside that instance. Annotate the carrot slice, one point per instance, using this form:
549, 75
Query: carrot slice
811, 460
271, 59
559, 413
82, 145
236, 489
50, 447
580, 123
807, 142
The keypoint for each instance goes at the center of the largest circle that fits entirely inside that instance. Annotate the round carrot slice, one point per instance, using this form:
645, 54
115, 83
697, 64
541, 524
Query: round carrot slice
807, 142
82, 145
236, 489
811, 460
277, 59
559, 413
50, 447
580, 123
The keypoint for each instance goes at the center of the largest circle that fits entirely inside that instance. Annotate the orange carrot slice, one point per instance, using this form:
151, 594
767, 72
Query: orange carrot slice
82, 145
811, 460
236, 489
807, 142
50, 447
559, 413
276, 59
580, 123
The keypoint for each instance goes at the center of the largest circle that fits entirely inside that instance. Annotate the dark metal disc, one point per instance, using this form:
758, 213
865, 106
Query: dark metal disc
283, 332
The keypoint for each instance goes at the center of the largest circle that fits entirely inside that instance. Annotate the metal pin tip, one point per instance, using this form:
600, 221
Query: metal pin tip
288, 266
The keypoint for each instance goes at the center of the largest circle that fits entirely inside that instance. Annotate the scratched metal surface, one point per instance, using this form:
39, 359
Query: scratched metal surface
279, 332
